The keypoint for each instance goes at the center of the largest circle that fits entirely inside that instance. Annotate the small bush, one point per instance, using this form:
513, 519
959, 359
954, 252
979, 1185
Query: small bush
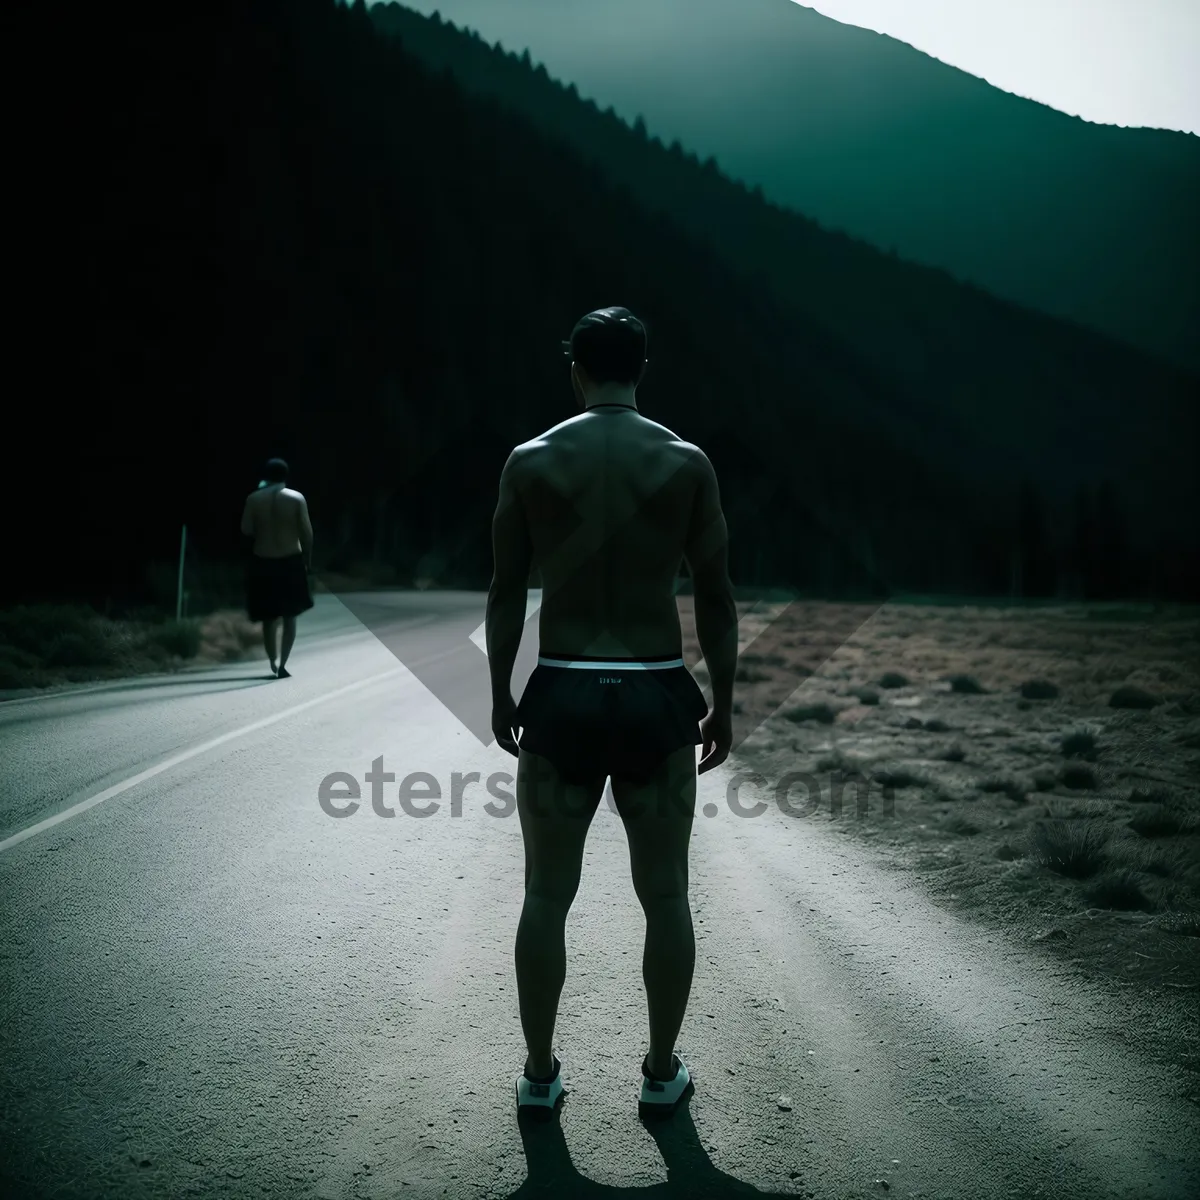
1165, 866
1044, 779
1129, 696
898, 777
966, 685
1012, 788
955, 754
937, 725
1024, 705
868, 696
35, 628
1038, 689
892, 679
914, 723
1118, 890
179, 638
1080, 743
1156, 821
1078, 776
78, 648
822, 712
19, 668
1071, 848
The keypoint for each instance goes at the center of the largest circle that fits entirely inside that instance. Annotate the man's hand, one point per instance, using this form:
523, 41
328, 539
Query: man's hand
717, 731
504, 723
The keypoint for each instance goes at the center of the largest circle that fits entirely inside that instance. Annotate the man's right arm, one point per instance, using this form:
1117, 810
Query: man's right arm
707, 554
306, 534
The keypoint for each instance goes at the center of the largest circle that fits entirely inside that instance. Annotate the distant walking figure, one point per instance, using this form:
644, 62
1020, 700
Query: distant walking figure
607, 504
276, 517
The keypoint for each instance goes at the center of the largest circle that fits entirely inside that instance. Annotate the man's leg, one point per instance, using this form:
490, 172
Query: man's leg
289, 639
269, 630
555, 817
658, 821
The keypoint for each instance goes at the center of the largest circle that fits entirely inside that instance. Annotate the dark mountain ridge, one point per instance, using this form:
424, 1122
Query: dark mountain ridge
946, 369
262, 228
864, 133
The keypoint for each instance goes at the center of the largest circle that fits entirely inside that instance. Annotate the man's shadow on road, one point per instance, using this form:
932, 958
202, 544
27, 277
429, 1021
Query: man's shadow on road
690, 1172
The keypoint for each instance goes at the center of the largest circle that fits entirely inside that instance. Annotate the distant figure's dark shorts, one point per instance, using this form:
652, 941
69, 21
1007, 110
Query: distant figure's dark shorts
618, 717
276, 587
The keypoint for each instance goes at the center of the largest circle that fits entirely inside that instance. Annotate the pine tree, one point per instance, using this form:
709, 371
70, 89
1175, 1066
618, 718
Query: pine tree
1083, 555
1110, 543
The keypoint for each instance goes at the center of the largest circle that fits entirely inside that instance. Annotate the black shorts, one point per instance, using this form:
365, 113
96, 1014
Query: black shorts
594, 716
276, 587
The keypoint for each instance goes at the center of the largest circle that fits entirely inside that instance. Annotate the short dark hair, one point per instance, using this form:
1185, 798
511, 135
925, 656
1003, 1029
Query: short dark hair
276, 471
610, 345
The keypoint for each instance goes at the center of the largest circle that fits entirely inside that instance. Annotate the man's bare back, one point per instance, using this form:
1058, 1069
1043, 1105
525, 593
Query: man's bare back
609, 498
277, 518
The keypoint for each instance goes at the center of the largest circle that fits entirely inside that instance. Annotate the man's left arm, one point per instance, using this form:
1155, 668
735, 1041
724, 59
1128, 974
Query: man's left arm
512, 551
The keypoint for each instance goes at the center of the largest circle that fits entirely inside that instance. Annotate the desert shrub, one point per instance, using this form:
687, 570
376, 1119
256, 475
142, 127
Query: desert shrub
178, 638
966, 685
1078, 776
19, 668
1080, 743
36, 628
1038, 689
821, 711
1075, 849
955, 754
1156, 821
1012, 788
1119, 890
1129, 696
937, 725
898, 777
1044, 779
892, 679
868, 696
85, 647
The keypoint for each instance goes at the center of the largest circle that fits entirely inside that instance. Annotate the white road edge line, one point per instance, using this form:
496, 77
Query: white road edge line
141, 776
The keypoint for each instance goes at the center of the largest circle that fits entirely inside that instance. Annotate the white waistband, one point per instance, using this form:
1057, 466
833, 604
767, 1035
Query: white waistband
668, 664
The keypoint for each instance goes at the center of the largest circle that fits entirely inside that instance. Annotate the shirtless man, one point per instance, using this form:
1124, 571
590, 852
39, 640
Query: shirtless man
607, 504
276, 517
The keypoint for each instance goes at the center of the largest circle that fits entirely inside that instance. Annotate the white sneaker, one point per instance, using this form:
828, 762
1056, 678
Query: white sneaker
540, 1097
660, 1097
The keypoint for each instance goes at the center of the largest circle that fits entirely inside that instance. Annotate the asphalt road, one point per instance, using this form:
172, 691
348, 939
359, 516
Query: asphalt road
211, 987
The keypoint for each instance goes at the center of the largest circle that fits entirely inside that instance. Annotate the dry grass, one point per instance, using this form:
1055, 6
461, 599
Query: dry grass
1045, 762
46, 646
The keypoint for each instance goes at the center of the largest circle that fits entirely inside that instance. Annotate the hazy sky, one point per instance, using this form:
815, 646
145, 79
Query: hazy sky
1119, 62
